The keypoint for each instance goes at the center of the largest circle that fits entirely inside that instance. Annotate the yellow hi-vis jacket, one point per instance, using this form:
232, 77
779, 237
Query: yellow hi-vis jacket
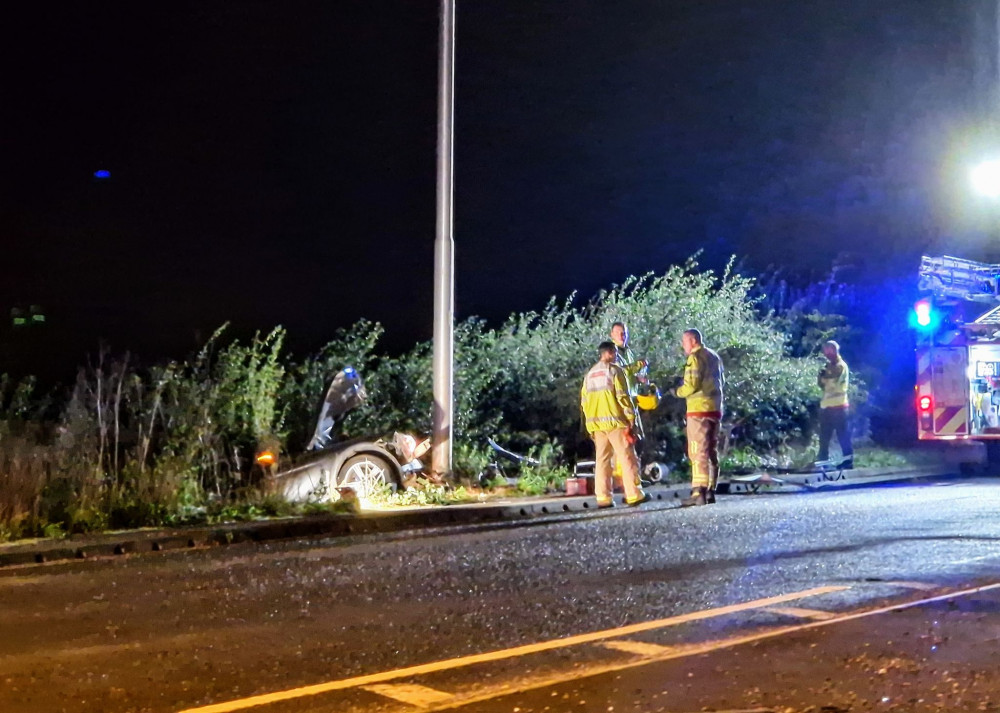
625, 358
704, 378
834, 380
604, 399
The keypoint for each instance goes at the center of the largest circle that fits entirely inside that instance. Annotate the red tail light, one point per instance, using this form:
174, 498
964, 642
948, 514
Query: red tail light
925, 409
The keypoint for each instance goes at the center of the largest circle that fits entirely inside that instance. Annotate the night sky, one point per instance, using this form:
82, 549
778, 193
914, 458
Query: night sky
274, 163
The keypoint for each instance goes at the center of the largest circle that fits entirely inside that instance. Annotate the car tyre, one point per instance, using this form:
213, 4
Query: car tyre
366, 474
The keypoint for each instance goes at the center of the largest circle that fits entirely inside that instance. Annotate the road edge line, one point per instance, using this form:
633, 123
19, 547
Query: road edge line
706, 647
500, 654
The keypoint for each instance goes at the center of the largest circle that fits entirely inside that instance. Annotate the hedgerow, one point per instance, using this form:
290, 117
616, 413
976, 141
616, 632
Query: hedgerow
134, 445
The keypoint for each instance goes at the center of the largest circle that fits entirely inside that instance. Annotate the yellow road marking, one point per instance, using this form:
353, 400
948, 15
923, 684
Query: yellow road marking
693, 650
914, 585
637, 647
461, 662
411, 693
677, 652
816, 614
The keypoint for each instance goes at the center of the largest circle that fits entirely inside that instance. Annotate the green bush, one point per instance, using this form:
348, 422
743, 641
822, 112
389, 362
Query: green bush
523, 377
425, 492
469, 459
541, 480
176, 442
740, 460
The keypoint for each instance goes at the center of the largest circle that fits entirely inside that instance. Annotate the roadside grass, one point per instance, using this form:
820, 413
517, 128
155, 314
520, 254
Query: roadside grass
530, 481
875, 457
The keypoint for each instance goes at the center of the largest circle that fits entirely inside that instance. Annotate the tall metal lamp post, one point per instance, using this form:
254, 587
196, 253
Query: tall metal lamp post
444, 257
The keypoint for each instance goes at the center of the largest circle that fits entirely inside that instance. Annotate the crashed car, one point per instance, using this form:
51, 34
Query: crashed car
364, 466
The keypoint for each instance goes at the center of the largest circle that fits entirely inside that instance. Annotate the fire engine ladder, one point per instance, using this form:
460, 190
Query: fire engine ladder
956, 278
990, 317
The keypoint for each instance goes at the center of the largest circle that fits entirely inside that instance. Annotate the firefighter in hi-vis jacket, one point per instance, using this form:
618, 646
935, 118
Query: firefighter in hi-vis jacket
625, 358
610, 419
704, 377
834, 378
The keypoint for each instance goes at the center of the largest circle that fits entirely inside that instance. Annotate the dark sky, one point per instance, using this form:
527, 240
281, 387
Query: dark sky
274, 163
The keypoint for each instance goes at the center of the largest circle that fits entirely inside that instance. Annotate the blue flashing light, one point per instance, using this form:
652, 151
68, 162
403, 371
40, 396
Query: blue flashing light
924, 317
923, 312
102, 174
349, 371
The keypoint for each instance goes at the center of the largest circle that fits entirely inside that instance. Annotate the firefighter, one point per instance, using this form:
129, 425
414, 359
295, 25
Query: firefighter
610, 419
704, 377
833, 379
625, 358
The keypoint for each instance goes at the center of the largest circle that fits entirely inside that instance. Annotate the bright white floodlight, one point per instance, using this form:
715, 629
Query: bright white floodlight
986, 178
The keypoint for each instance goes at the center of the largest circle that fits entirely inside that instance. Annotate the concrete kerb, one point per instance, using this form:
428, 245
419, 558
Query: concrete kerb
374, 522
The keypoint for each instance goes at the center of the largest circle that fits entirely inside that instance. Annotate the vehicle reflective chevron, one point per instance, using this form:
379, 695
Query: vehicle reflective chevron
951, 420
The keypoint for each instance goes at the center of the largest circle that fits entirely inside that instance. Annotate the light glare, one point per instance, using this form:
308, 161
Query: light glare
986, 178
922, 312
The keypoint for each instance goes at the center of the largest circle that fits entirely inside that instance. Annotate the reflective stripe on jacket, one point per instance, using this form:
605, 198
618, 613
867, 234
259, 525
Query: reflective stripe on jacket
834, 380
604, 399
625, 358
704, 378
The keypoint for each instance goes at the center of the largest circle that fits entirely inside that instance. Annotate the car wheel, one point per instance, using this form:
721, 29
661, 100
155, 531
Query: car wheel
366, 475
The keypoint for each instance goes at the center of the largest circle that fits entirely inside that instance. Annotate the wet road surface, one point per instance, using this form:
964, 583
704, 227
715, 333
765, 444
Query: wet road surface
462, 617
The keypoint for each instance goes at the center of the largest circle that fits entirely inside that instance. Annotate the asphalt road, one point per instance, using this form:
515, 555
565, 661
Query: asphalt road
543, 615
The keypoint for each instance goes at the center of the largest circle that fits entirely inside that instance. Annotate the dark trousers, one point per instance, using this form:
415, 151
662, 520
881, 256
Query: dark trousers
830, 420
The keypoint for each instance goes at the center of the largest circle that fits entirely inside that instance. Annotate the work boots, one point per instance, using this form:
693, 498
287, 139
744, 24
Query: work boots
644, 498
698, 497
710, 497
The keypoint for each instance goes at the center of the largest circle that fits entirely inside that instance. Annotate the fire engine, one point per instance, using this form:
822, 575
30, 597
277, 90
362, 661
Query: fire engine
957, 321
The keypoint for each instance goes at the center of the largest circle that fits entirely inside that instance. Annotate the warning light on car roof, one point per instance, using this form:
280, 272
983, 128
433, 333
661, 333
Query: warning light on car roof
101, 174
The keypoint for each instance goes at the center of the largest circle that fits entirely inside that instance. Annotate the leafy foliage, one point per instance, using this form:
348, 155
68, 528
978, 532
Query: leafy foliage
425, 492
175, 442
812, 313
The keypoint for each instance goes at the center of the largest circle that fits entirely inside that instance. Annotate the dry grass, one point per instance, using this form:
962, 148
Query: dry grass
24, 468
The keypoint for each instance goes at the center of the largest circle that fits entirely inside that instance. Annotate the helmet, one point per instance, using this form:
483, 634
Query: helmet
648, 397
